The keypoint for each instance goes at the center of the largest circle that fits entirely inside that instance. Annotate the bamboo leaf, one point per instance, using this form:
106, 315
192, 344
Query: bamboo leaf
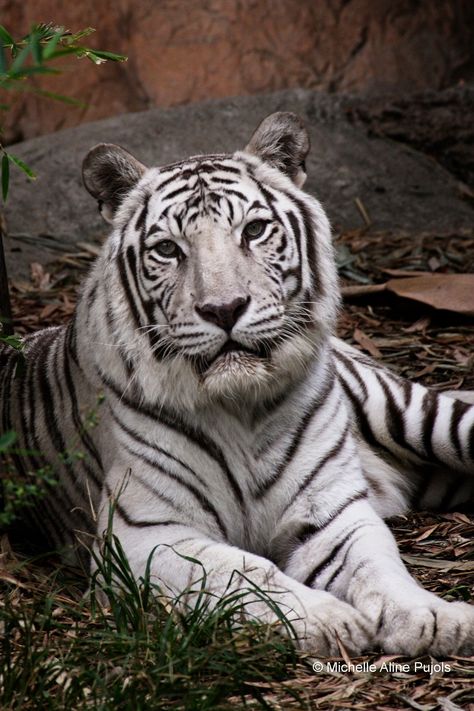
36, 48
6, 37
61, 52
3, 60
60, 97
73, 38
6, 440
5, 176
27, 71
46, 31
20, 164
13, 341
50, 48
109, 56
20, 59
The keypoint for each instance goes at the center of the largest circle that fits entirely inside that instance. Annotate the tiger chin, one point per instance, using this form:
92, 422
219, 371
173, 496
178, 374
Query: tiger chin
243, 377
236, 374
254, 444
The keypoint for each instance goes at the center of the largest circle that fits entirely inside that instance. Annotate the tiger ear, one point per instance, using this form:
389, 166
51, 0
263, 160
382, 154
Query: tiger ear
109, 172
282, 140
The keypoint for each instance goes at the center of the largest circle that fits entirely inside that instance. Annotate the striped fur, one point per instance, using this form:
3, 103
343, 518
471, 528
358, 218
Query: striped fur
237, 429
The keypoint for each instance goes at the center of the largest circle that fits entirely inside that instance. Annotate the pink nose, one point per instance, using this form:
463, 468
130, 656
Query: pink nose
224, 315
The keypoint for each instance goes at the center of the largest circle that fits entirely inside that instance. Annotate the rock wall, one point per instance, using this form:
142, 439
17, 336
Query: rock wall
184, 51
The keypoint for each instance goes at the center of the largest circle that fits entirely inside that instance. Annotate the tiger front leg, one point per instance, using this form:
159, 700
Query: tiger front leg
355, 557
316, 617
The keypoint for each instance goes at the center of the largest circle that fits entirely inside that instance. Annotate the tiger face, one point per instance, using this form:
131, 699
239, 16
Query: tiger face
224, 262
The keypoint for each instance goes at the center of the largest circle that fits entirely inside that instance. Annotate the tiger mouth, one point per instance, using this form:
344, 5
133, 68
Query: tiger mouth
230, 351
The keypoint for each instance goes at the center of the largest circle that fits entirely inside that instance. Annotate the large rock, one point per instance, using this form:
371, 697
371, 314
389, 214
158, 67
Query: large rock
180, 52
399, 187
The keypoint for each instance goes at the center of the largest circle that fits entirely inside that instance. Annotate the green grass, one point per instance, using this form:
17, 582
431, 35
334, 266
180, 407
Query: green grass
62, 649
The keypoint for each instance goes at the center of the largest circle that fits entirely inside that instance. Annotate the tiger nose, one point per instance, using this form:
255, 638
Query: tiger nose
224, 315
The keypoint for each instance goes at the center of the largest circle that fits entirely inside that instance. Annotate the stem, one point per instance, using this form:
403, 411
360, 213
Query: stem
5, 306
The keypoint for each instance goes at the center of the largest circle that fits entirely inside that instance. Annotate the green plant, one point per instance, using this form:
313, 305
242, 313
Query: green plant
134, 646
21, 61
19, 492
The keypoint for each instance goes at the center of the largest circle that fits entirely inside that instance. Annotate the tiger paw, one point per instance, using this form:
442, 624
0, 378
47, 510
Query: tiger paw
438, 628
328, 620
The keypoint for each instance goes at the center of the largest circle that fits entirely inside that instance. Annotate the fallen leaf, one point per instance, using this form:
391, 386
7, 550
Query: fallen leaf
420, 325
452, 292
354, 291
48, 310
449, 292
405, 272
419, 561
39, 277
426, 533
366, 343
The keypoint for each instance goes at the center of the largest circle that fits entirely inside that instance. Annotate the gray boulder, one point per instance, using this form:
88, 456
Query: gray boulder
399, 187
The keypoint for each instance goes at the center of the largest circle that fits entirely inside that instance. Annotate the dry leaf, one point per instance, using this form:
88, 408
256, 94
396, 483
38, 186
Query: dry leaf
363, 290
426, 533
452, 292
48, 310
366, 343
420, 325
405, 273
40, 278
465, 565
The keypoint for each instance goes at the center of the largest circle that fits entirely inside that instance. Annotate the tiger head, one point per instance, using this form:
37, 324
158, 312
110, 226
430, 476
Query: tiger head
218, 279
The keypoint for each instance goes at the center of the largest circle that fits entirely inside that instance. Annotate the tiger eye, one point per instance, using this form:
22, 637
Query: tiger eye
167, 248
254, 229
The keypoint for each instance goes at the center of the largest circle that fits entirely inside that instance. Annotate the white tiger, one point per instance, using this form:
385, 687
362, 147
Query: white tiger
251, 439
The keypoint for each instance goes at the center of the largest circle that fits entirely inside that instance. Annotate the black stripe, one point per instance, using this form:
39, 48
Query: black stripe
349, 365
459, 409
57, 440
140, 523
80, 428
318, 569
264, 487
136, 436
176, 176
429, 409
361, 417
224, 181
235, 193
297, 234
174, 422
147, 306
340, 567
198, 495
141, 219
308, 530
395, 422
311, 245
122, 269
327, 458
219, 166
178, 191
